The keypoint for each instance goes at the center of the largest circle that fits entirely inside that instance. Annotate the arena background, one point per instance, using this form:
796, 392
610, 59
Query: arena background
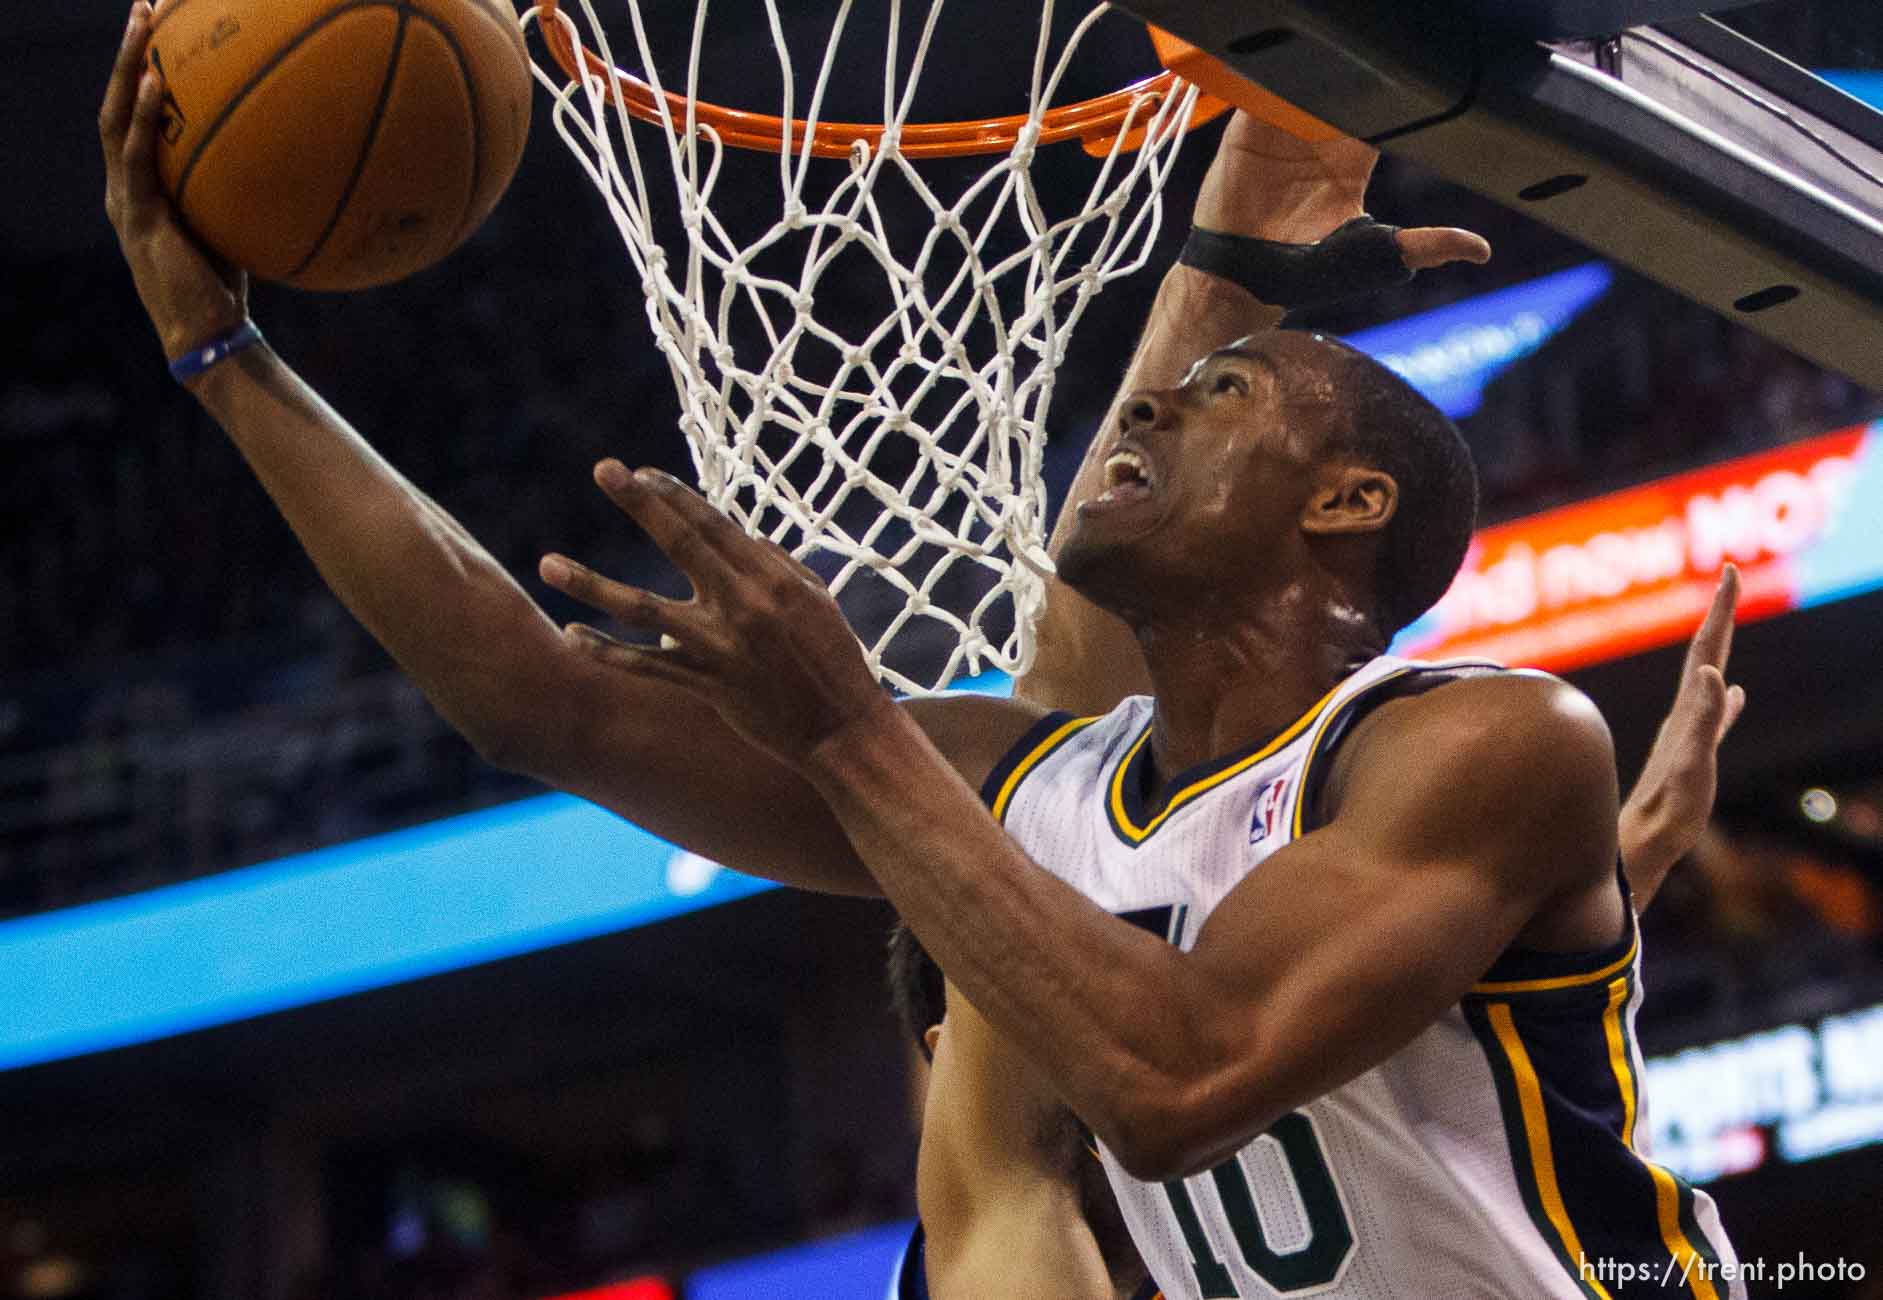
529, 1052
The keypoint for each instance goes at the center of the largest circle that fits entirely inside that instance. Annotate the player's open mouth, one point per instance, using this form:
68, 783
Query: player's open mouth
1128, 479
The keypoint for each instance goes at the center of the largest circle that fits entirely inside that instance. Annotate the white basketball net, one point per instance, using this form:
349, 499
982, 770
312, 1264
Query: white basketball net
897, 459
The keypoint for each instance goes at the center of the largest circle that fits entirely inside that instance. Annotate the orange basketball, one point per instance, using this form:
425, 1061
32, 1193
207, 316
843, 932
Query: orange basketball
339, 144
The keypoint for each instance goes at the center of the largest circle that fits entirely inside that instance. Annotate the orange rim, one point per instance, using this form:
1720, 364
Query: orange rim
1095, 123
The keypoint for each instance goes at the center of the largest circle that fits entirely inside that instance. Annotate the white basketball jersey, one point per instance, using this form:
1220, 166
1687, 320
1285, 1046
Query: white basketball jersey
1496, 1157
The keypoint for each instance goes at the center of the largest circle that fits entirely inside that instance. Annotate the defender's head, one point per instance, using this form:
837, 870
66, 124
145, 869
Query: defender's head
916, 988
1283, 452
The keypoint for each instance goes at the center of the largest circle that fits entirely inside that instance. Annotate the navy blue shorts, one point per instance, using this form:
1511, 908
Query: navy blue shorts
912, 1273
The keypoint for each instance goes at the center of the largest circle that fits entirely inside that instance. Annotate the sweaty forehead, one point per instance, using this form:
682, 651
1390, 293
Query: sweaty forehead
1246, 349
1303, 365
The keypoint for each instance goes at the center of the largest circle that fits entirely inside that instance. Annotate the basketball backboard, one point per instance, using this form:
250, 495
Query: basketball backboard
1648, 130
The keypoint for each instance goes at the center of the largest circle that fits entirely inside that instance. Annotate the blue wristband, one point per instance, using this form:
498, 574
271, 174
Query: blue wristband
220, 348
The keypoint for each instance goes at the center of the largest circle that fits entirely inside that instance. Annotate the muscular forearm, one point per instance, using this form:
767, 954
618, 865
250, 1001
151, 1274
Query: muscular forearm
1069, 985
496, 667
419, 582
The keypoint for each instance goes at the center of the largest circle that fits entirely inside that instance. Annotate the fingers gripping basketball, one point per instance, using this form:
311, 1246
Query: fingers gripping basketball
339, 144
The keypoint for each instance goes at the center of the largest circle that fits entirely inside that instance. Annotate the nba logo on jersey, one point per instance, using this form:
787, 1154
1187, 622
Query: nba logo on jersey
1268, 802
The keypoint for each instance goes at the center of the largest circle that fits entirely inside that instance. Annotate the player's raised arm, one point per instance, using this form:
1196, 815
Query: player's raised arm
1271, 202
485, 655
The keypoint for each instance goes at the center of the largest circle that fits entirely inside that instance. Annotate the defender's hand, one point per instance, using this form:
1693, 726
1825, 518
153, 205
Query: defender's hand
1266, 184
760, 640
1670, 804
189, 296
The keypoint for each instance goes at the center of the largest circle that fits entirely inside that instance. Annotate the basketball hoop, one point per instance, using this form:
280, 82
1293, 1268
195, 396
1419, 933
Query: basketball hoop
897, 451
1093, 122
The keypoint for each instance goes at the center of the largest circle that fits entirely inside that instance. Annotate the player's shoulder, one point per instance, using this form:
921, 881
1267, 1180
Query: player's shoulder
1498, 751
1484, 715
976, 732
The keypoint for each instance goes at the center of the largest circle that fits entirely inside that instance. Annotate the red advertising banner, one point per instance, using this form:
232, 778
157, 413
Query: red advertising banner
1634, 570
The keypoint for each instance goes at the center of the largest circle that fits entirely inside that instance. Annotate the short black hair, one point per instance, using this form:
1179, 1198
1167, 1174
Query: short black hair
1384, 423
916, 987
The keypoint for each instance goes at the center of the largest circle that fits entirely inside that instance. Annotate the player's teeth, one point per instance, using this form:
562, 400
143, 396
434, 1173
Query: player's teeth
1125, 467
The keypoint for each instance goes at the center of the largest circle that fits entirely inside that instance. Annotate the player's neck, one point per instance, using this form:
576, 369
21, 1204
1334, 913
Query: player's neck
1226, 679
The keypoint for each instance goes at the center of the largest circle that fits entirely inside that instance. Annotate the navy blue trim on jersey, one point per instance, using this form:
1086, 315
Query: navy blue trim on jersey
1514, 966
1165, 922
1035, 743
1689, 1222
1128, 800
1531, 971
1415, 680
1143, 809
1569, 1099
1143, 804
1522, 1158
1690, 1225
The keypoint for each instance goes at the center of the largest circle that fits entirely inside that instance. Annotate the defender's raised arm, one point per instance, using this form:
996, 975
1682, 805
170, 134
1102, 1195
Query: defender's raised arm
1279, 199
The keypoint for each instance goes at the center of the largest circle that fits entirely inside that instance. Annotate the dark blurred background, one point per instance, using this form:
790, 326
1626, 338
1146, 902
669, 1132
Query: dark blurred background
180, 696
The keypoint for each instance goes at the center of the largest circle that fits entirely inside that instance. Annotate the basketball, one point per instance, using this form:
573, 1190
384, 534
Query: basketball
339, 144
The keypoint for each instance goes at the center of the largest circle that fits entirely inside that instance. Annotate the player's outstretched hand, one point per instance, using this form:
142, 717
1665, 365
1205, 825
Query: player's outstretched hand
190, 298
1670, 804
761, 639
1266, 184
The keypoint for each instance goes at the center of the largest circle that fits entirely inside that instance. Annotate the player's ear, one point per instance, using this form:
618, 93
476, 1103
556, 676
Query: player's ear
932, 1036
1350, 499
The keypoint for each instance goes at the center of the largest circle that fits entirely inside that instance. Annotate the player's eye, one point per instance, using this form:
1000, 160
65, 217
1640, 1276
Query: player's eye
1228, 381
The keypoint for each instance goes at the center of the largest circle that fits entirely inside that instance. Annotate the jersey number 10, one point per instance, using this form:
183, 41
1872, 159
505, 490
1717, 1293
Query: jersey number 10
1315, 1264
